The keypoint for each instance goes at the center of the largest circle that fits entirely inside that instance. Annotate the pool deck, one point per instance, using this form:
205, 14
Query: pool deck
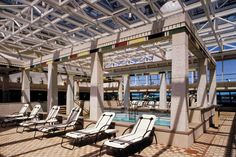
213, 143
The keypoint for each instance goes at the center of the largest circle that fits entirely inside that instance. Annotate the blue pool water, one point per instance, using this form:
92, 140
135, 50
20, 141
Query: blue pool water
124, 117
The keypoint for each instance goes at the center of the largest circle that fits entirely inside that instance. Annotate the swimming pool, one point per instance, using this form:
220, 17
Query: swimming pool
162, 120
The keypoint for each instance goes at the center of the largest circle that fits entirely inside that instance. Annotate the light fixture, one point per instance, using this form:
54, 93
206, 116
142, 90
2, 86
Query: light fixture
170, 6
129, 14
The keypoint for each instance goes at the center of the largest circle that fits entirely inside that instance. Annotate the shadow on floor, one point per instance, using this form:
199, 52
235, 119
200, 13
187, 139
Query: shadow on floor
34, 150
231, 139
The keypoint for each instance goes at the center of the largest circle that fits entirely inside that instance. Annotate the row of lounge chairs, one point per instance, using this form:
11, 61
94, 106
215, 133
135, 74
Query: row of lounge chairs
147, 104
140, 137
136, 105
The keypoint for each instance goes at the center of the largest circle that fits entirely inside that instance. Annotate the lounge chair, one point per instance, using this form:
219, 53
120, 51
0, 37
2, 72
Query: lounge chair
70, 122
139, 138
51, 118
103, 123
10, 118
32, 116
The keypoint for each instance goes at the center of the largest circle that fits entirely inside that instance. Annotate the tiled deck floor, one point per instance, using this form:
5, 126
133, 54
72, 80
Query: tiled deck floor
217, 143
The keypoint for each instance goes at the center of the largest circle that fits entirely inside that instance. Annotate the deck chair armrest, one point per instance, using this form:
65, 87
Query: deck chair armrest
51, 120
103, 127
74, 121
130, 127
90, 124
147, 133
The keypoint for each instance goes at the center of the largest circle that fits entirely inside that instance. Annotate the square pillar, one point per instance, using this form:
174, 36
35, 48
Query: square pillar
25, 87
212, 87
5, 88
52, 96
163, 103
70, 93
202, 84
120, 91
126, 91
179, 82
96, 89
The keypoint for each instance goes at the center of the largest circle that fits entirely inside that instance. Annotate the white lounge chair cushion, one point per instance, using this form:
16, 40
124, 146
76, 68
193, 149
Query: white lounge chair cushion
123, 141
21, 113
102, 124
144, 124
26, 124
13, 115
52, 127
50, 118
71, 120
82, 133
23, 118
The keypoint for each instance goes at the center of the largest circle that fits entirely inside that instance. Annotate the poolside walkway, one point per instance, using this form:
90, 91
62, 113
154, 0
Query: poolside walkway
214, 143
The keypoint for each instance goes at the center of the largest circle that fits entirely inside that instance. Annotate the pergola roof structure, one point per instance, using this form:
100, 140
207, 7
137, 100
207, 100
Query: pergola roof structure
30, 29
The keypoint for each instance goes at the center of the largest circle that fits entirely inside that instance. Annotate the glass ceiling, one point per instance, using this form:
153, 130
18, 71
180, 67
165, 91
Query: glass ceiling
38, 28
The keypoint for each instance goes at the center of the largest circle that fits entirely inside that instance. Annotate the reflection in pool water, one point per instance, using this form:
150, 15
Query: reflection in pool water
162, 119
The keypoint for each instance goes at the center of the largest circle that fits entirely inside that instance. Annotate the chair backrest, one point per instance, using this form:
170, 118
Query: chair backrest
144, 123
73, 116
105, 120
35, 110
134, 102
53, 112
151, 103
140, 103
23, 109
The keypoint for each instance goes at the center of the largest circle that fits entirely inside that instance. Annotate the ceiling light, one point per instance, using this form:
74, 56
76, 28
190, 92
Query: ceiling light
170, 6
130, 15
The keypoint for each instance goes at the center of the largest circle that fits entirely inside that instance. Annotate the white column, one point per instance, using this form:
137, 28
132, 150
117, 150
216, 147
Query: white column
76, 90
126, 79
5, 88
96, 89
163, 103
52, 97
120, 91
192, 76
212, 88
146, 78
202, 84
70, 93
179, 82
25, 87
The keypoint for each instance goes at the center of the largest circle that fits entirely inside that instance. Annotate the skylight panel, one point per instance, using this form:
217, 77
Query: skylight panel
111, 24
111, 5
146, 10
93, 13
